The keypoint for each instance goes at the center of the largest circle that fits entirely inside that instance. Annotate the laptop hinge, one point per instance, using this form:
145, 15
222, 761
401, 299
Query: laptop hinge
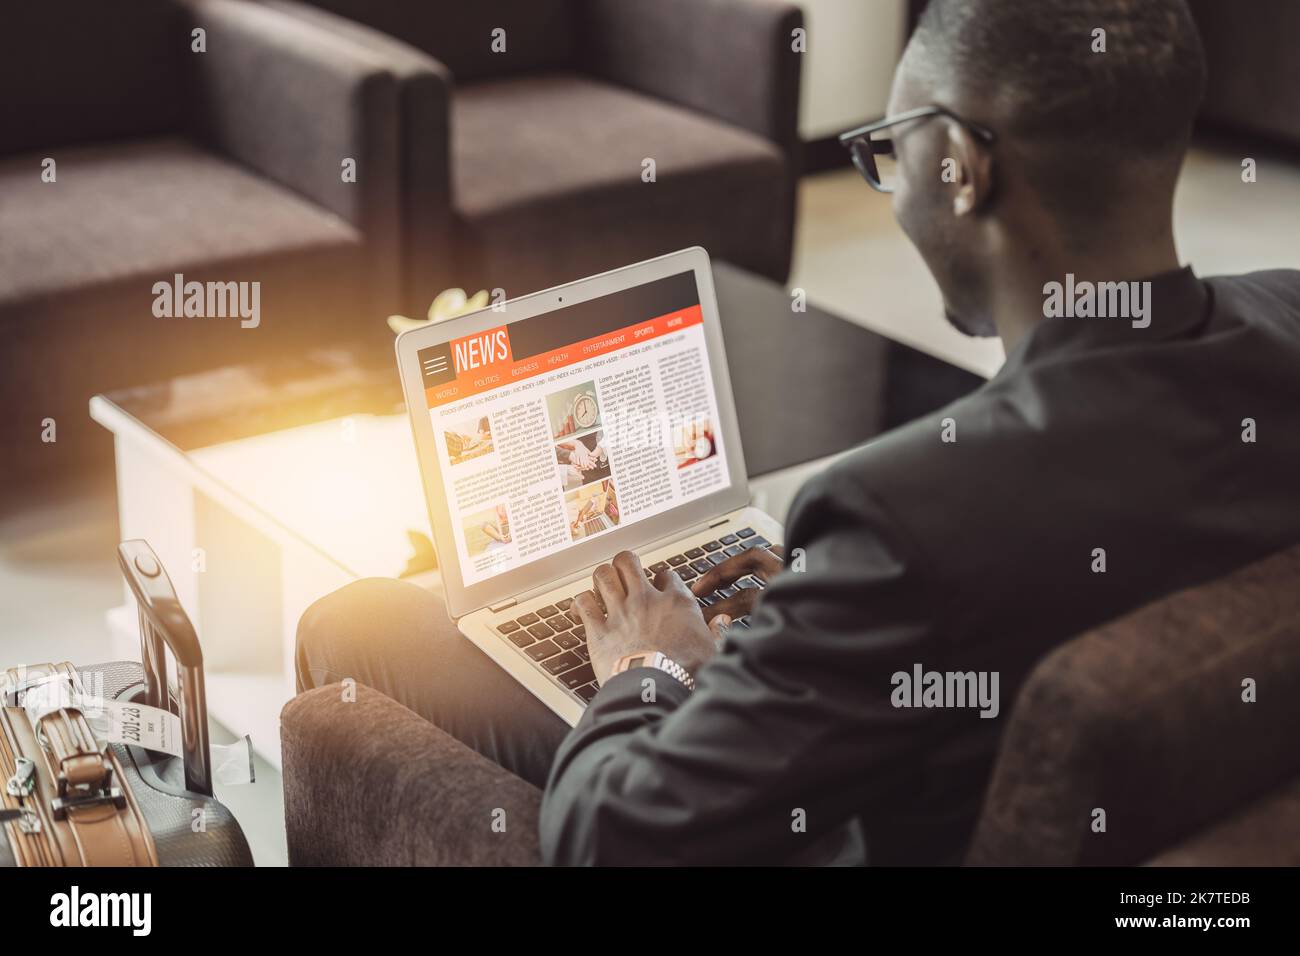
494, 608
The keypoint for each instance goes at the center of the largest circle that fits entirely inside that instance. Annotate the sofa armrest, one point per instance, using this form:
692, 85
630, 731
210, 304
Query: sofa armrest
732, 59
368, 782
292, 101
424, 87
1143, 717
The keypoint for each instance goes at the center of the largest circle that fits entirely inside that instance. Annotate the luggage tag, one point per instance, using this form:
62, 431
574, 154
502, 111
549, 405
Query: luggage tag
119, 722
139, 725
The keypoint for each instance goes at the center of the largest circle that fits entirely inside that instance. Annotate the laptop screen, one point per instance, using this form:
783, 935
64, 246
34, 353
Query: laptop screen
555, 429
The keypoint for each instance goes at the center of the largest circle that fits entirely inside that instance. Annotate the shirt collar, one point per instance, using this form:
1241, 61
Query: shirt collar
1177, 303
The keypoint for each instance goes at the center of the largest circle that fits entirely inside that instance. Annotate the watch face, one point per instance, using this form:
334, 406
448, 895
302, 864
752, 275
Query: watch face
703, 447
585, 410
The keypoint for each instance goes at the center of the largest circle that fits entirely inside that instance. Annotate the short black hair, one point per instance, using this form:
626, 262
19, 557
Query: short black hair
1035, 62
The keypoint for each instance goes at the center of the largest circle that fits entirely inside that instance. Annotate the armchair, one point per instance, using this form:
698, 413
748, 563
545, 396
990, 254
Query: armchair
1251, 62
222, 165
1142, 717
409, 796
522, 167
1253, 69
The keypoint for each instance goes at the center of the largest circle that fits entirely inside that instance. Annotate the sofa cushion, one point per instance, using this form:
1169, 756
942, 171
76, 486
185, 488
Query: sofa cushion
140, 211
539, 34
81, 71
547, 173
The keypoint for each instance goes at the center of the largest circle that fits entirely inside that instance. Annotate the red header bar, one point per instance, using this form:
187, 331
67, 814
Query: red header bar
483, 361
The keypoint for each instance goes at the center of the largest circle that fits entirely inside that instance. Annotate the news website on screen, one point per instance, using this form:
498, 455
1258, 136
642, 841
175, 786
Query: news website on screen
564, 426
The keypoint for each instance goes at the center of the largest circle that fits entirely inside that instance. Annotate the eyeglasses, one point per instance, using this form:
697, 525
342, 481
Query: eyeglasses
872, 146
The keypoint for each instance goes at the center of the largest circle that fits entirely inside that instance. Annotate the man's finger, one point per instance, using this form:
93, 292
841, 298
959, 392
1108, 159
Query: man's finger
753, 561
610, 588
738, 605
628, 566
593, 618
718, 626
670, 580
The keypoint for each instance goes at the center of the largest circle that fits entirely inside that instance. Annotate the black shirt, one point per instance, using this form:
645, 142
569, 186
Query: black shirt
979, 554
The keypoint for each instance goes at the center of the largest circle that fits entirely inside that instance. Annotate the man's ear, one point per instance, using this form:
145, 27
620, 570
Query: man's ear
974, 172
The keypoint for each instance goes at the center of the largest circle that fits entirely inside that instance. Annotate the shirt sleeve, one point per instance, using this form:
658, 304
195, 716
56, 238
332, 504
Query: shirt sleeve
790, 732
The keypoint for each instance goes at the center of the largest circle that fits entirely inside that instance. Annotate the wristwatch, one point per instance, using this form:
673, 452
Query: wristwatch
658, 660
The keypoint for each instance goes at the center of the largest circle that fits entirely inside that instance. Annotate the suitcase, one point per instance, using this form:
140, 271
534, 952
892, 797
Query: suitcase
68, 800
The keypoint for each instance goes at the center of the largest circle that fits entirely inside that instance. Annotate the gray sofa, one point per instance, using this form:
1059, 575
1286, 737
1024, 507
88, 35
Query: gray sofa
523, 168
222, 165
1142, 717
1252, 66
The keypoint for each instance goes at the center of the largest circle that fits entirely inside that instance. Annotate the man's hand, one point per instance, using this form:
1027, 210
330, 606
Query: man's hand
582, 457
640, 617
760, 562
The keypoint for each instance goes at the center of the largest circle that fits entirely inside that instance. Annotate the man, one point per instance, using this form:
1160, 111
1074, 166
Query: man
1111, 461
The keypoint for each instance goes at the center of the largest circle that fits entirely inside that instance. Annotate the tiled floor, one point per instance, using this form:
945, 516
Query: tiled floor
57, 567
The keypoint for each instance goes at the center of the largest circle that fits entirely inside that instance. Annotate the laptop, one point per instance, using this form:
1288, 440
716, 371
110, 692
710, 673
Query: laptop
560, 428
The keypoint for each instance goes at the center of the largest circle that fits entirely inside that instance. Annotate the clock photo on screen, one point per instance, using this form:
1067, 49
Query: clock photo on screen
573, 410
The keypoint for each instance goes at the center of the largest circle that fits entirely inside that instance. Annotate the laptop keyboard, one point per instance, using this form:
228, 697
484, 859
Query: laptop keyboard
553, 638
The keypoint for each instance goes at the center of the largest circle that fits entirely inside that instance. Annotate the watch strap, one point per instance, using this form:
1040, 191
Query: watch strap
659, 661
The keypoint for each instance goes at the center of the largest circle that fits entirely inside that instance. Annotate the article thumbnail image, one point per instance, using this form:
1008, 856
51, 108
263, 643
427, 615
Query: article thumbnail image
487, 530
573, 410
468, 439
581, 459
694, 441
591, 509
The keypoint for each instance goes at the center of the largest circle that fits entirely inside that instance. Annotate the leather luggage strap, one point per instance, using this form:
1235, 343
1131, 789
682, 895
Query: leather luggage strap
70, 766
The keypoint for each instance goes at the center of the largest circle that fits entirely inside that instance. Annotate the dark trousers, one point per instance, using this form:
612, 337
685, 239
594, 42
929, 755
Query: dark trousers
397, 638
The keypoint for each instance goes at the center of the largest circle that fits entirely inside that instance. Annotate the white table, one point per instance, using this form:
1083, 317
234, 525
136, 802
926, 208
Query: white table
282, 519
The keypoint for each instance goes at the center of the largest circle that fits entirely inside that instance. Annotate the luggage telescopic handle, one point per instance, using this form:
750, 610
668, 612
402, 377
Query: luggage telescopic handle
164, 624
